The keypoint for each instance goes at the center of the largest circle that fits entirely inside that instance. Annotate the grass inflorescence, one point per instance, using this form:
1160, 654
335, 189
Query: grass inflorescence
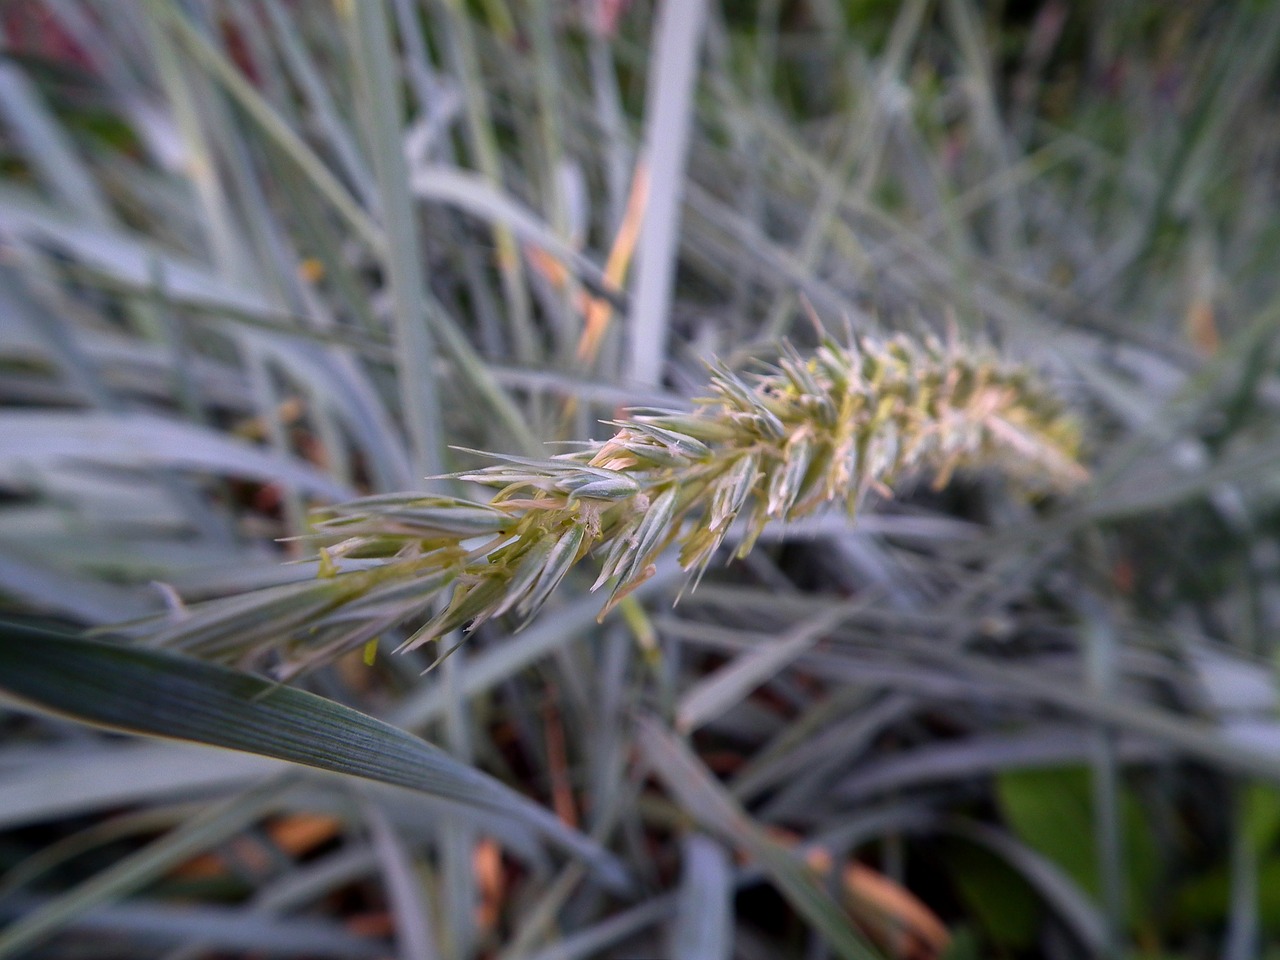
771, 447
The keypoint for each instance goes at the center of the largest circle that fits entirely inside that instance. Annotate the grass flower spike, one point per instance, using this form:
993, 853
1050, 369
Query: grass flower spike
776, 446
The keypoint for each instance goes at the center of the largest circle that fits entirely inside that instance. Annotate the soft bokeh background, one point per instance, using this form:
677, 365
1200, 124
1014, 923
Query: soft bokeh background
259, 255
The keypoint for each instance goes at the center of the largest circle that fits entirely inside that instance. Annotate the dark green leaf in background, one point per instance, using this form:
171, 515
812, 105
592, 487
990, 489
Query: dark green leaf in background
1050, 810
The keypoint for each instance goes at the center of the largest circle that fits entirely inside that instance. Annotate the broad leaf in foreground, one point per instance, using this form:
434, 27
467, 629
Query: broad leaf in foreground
164, 695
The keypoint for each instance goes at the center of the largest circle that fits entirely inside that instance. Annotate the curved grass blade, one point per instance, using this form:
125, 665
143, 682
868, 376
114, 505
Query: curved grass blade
146, 926
1069, 902
160, 694
144, 441
697, 793
703, 929
87, 780
197, 835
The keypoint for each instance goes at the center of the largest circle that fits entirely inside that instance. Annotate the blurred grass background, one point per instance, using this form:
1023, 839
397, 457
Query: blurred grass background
259, 255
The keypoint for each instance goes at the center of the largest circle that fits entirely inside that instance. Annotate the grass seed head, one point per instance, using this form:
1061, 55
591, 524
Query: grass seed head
774, 446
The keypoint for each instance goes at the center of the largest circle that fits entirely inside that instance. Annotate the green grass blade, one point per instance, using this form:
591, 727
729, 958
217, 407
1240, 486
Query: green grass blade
159, 694
195, 836
415, 339
729, 685
408, 900
266, 116
583, 944
54, 590
306, 73
471, 192
141, 441
461, 48
673, 77
213, 928
701, 797
703, 927
51, 153
75, 781
1058, 890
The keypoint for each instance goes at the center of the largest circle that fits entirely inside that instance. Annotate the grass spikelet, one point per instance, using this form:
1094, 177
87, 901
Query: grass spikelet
775, 446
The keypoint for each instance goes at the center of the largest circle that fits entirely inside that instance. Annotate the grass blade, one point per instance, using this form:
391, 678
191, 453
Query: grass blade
47, 145
244, 93
195, 836
673, 76
75, 782
216, 928
694, 788
158, 694
704, 923
719, 691
141, 441
415, 340
409, 904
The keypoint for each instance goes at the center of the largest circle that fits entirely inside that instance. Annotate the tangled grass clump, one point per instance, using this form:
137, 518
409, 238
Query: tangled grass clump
776, 447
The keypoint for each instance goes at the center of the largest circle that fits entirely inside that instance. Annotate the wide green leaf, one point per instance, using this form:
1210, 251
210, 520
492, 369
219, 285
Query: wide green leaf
1050, 811
164, 695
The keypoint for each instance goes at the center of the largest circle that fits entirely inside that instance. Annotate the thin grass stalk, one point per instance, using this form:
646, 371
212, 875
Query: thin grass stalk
271, 247
462, 49
1102, 681
220, 234
95, 43
272, 124
430, 93
52, 155
457, 840
553, 161
1255, 31
1242, 937
477, 372
668, 121
147, 864
547, 86
858, 162
200, 160
618, 155
257, 55
415, 934
330, 124
415, 339
966, 25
